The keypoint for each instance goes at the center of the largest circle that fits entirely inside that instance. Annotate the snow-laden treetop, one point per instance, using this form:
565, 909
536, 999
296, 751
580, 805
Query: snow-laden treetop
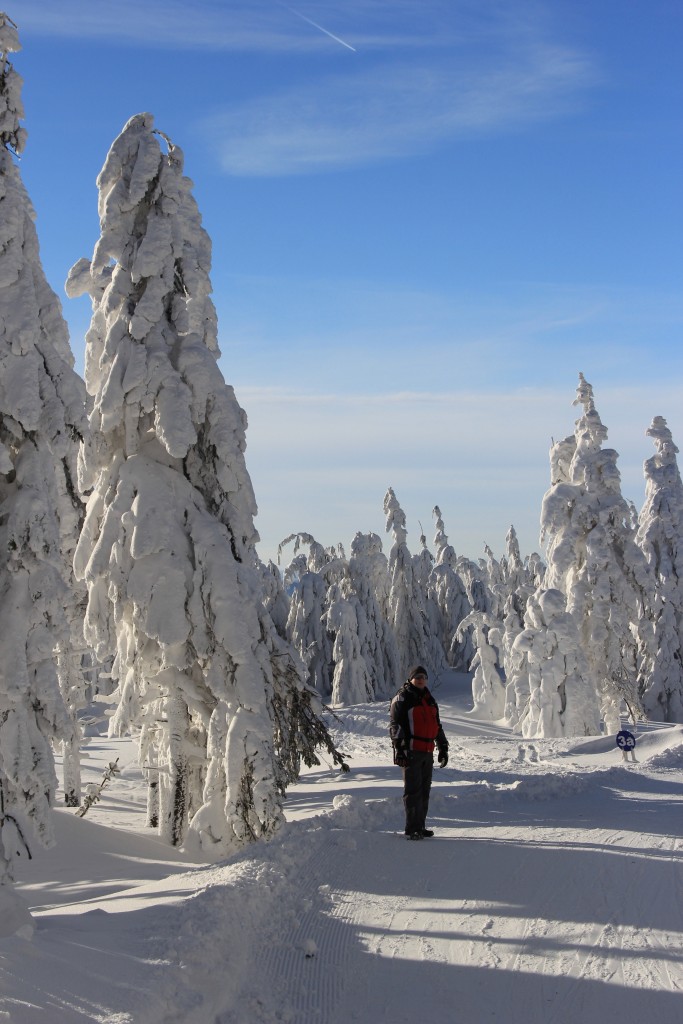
12, 134
664, 443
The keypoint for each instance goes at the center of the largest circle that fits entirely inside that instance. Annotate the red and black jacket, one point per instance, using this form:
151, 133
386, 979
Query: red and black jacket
414, 722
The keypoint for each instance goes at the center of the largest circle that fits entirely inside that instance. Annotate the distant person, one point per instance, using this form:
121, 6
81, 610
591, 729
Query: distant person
415, 728
626, 742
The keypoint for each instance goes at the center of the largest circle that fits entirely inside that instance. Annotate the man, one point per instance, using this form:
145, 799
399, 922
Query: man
415, 727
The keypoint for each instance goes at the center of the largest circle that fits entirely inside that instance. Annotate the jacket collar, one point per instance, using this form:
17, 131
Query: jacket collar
417, 691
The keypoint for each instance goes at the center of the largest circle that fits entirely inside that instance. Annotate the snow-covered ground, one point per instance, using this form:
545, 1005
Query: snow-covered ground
552, 893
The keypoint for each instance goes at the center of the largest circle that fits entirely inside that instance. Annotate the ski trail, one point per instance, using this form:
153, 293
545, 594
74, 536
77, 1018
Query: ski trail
306, 965
611, 953
311, 966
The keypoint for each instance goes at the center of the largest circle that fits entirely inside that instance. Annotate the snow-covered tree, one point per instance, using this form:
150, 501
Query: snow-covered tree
558, 696
423, 563
535, 569
168, 546
309, 583
474, 575
318, 556
496, 584
423, 566
512, 627
275, 598
518, 576
351, 682
42, 418
332, 597
593, 558
407, 613
488, 689
660, 536
368, 570
449, 594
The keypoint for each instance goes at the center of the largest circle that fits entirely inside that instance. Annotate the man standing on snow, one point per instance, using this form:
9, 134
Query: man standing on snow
414, 728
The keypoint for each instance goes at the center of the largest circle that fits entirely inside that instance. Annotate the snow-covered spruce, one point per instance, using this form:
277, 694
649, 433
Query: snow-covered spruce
660, 536
519, 577
275, 597
308, 578
514, 668
167, 549
495, 581
368, 569
447, 590
345, 619
335, 619
423, 567
488, 690
593, 558
42, 419
555, 695
515, 583
407, 613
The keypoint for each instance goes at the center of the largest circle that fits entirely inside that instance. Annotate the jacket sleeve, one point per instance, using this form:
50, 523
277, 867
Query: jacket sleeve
398, 726
441, 741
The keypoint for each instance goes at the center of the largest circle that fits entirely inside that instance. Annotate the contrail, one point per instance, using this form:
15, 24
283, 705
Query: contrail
319, 27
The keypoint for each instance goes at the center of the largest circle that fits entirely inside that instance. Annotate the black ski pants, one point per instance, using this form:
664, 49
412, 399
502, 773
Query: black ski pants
417, 782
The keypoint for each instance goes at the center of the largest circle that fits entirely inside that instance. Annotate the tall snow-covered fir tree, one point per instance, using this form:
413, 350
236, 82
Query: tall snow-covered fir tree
407, 613
593, 558
167, 549
42, 419
660, 536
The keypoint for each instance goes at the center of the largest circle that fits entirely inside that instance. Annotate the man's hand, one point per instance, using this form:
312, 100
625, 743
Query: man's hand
402, 760
443, 758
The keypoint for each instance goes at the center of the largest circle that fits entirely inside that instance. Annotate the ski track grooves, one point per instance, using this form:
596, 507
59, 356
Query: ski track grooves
338, 924
306, 968
599, 948
310, 988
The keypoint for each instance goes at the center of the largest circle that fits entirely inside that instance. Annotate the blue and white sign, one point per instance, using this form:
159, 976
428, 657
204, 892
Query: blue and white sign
626, 740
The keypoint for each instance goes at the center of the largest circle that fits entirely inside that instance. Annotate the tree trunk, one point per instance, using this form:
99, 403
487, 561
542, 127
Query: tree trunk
173, 803
71, 770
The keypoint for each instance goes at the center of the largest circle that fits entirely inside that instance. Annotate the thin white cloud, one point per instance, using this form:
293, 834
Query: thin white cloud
246, 25
394, 109
250, 25
491, 67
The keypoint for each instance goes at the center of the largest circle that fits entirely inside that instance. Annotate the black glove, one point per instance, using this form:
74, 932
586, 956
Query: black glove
402, 760
443, 758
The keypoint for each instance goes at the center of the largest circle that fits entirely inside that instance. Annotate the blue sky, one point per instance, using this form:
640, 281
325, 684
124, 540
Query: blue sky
427, 217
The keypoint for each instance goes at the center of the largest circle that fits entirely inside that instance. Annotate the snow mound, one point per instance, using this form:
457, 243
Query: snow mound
550, 786
671, 758
363, 721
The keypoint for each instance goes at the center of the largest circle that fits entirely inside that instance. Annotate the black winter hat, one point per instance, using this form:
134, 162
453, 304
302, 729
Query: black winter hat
418, 670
